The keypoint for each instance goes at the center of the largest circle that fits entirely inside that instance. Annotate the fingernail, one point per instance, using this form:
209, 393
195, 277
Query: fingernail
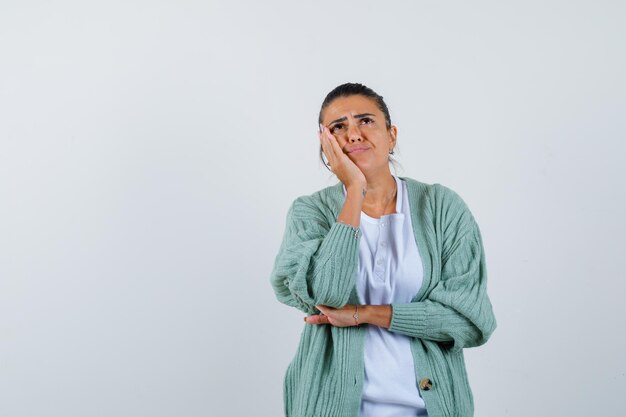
305, 319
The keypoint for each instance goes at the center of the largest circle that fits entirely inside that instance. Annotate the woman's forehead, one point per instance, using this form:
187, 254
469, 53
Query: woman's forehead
351, 105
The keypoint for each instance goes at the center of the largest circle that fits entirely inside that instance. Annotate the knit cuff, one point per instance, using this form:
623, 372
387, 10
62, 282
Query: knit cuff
408, 318
341, 238
356, 230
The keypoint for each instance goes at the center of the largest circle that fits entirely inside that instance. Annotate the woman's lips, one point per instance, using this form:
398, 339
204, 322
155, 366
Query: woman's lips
358, 151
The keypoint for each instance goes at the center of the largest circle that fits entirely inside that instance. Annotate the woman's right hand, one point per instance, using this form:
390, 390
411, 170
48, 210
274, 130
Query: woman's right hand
340, 164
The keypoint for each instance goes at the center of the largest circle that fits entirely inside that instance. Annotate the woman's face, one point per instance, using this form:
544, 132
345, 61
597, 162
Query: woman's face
359, 127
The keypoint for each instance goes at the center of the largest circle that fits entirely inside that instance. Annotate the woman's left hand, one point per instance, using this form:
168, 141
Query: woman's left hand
340, 317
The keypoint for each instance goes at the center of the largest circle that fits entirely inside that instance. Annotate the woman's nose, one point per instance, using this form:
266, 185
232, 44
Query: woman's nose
354, 134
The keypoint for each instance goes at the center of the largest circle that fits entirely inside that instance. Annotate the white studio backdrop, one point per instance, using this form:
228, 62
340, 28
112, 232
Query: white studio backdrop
149, 151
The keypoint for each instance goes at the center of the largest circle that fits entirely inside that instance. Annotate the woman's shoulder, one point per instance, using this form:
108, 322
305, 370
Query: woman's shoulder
323, 203
320, 197
433, 191
443, 200
449, 196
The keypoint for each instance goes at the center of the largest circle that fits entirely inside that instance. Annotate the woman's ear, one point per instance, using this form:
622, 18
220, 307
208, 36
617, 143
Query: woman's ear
393, 132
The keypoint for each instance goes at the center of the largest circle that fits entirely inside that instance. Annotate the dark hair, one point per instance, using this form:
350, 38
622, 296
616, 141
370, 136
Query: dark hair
352, 89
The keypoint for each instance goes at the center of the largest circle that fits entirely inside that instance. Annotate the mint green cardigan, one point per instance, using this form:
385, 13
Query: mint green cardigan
317, 265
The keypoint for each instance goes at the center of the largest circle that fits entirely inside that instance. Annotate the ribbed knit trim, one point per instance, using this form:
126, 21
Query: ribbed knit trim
343, 235
418, 201
408, 318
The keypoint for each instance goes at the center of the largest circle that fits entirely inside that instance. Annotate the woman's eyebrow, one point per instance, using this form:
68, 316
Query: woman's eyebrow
358, 116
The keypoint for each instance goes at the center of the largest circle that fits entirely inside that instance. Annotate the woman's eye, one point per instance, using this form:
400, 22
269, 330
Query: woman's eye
337, 126
367, 119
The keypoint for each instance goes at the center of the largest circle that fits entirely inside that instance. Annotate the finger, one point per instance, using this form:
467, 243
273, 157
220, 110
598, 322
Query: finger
324, 144
333, 146
334, 143
327, 150
316, 319
332, 140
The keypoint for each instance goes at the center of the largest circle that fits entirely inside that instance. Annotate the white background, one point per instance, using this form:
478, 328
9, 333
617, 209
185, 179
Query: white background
149, 151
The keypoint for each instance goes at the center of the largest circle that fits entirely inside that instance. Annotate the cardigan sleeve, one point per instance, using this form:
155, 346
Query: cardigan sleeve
457, 311
317, 262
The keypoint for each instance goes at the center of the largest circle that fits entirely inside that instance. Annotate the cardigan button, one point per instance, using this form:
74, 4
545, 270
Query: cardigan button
426, 384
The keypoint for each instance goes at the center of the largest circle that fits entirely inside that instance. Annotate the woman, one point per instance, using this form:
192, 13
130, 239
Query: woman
391, 273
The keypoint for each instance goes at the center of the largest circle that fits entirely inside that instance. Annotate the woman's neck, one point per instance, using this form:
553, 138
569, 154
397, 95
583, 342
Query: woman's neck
380, 191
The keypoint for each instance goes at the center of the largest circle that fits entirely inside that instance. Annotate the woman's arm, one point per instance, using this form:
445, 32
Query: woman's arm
351, 211
317, 262
457, 310
377, 315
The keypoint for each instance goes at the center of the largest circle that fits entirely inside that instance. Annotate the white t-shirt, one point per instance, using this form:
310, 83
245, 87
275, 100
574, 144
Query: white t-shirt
390, 271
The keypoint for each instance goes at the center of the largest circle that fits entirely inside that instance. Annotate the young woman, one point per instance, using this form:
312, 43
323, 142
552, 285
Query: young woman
391, 273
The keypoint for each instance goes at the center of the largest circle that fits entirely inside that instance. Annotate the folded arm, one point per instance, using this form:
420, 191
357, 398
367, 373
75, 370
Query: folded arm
317, 260
457, 311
